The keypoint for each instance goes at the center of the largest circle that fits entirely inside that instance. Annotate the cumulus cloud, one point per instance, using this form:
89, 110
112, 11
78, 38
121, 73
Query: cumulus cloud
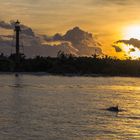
83, 41
75, 41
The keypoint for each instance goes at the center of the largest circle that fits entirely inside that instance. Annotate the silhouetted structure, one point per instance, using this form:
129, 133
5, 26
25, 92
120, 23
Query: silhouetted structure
17, 30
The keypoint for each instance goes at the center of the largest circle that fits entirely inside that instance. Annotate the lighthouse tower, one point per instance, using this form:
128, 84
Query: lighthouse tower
17, 33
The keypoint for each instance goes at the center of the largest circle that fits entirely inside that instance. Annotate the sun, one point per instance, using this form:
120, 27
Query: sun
129, 32
132, 32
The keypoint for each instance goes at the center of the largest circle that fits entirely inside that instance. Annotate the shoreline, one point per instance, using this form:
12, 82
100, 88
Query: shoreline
70, 74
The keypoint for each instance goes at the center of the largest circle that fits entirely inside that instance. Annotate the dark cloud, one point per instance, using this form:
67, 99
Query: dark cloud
28, 31
132, 50
134, 42
57, 37
25, 29
117, 2
5, 25
117, 48
52, 50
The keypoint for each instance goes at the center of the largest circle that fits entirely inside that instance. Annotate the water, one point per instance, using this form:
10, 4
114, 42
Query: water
68, 108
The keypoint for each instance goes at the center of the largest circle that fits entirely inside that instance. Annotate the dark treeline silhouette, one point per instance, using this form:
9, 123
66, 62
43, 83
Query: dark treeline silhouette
68, 64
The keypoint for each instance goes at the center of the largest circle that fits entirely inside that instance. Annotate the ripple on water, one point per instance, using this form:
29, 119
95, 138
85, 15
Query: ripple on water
65, 108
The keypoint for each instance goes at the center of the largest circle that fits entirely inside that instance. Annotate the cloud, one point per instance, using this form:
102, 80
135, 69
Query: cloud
117, 48
83, 41
52, 50
5, 25
132, 50
134, 42
10, 26
28, 31
75, 41
117, 2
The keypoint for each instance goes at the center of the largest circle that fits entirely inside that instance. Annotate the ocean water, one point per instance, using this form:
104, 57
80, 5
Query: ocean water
41, 107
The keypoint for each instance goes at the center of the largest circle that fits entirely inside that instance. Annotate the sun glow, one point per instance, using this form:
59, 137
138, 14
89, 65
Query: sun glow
132, 32
130, 50
135, 54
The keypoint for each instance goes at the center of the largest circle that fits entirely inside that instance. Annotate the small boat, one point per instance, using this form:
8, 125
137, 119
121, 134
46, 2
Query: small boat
113, 109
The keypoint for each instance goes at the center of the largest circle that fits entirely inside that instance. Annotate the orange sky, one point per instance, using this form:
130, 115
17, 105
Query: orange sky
107, 19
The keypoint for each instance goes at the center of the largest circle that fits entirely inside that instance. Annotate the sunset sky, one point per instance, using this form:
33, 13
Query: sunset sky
108, 20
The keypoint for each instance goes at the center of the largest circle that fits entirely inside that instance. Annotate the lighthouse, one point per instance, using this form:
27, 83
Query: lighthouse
17, 33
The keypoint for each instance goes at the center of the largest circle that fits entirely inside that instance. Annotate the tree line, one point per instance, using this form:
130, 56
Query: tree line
69, 64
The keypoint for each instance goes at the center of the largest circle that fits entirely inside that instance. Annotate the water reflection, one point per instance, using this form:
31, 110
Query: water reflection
49, 107
20, 110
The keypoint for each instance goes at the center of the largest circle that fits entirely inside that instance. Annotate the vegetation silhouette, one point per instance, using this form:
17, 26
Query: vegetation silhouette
65, 64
